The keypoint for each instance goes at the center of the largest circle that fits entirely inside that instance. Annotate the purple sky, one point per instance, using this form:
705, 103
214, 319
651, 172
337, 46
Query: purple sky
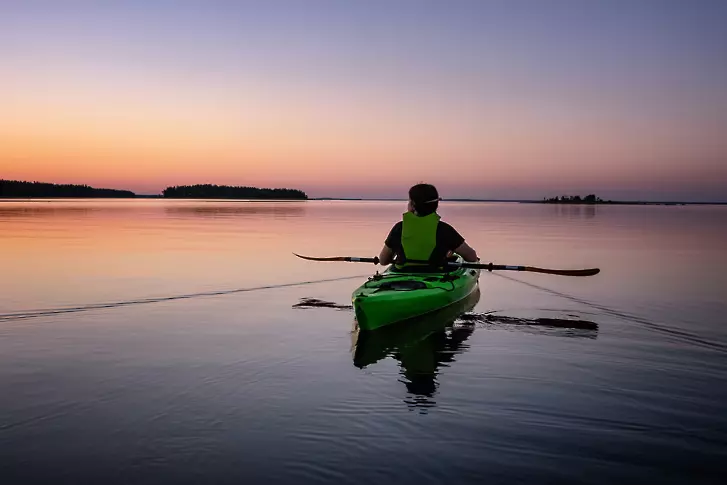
486, 99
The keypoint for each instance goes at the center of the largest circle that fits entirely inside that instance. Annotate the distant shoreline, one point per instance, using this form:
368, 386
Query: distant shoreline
624, 202
527, 201
19, 189
226, 192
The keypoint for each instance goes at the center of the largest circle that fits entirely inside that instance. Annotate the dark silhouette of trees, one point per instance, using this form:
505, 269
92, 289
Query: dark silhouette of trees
16, 188
208, 191
575, 199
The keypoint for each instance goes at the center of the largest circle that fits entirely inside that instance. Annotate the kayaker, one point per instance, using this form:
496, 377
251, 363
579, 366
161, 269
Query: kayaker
421, 235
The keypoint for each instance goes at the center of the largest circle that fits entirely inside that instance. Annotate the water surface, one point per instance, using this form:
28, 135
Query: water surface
153, 341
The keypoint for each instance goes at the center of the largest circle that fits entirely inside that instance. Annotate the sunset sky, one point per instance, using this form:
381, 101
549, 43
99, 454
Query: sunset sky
485, 99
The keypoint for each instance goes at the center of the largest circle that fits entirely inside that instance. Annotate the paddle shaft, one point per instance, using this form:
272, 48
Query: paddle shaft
489, 266
503, 267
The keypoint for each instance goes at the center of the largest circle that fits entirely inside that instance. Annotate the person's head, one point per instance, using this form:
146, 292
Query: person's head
423, 199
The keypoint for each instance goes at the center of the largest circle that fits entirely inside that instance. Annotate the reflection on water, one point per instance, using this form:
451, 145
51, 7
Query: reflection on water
426, 344
421, 345
39, 211
156, 339
574, 210
71, 208
317, 303
243, 208
553, 326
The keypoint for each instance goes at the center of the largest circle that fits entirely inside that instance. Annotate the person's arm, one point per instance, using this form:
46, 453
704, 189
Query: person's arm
388, 252
467, 253
386, 256
453, 239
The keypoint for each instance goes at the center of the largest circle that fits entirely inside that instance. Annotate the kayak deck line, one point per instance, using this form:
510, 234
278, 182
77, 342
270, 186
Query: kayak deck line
6, 317
409, 284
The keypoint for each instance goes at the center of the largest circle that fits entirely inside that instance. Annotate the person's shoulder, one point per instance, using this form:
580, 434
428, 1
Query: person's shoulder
393, 240
396, 229
443, 223
448, 231
446, 226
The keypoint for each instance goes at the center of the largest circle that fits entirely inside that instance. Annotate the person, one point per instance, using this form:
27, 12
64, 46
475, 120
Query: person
422, 236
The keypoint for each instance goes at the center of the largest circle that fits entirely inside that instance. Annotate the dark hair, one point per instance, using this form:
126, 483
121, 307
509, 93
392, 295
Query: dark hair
425, 199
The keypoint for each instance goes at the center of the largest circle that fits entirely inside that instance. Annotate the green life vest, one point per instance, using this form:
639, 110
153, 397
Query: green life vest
418, 236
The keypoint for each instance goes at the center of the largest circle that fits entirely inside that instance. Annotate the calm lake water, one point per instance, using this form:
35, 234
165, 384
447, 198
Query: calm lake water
155, 342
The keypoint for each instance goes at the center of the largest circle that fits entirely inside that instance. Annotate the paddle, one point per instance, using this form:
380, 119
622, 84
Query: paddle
488, 266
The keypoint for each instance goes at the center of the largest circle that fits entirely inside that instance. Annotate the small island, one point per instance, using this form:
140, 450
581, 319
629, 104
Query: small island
209, 191
17, 189
592, 199
576, 199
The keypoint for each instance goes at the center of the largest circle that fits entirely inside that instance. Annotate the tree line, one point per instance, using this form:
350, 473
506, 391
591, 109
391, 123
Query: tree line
575, 199
16, 188
209, 191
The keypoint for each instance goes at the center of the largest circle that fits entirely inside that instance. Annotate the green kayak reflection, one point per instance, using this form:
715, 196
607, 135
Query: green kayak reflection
422, 346
425, 344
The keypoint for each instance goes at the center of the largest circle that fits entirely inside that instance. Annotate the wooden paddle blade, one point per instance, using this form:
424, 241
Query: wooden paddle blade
333, 258
349, 259
563, 272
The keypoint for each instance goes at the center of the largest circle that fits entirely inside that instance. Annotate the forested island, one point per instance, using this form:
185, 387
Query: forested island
16, 188
576, 199
209, 191
592, 199
19, 189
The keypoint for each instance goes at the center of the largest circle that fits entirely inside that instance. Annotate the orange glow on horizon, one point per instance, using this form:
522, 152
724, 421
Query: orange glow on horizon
145, 137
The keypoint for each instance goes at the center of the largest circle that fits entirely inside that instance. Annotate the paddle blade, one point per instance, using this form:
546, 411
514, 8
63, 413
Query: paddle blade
333, 258
348, 259
564, 272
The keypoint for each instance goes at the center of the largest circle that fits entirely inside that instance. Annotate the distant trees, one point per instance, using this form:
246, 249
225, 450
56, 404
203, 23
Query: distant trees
16, 188
575, 199
208, 191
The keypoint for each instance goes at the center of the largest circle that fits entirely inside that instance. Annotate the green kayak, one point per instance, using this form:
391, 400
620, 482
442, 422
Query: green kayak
413, 336
394, 296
